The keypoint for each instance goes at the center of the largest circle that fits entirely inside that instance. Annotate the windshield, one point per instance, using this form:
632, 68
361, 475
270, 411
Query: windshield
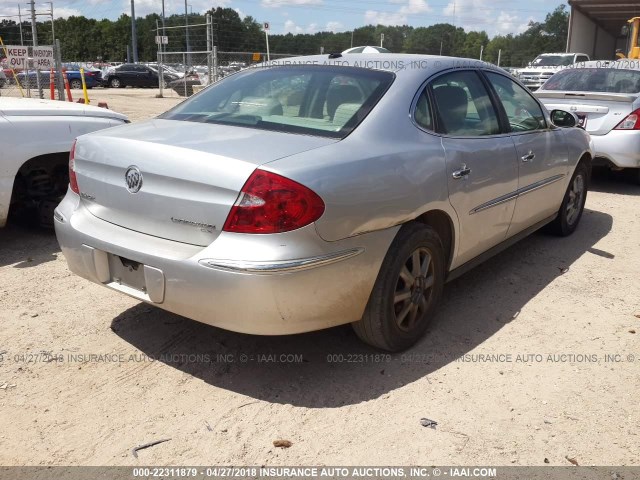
595, 80
327, 101
553, 61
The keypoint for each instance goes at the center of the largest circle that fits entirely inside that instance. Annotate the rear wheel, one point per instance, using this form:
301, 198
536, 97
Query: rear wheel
75, 84
406, 292
572, 206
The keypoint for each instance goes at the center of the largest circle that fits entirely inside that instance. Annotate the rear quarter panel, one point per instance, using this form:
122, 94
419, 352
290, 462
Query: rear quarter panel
25, 137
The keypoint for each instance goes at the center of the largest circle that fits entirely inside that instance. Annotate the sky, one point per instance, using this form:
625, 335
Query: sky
310, 16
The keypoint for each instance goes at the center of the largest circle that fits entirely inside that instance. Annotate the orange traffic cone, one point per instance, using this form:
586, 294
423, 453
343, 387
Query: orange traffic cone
66, 84
52, 84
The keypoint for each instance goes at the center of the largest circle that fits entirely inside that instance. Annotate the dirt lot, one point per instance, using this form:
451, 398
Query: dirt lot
118, 373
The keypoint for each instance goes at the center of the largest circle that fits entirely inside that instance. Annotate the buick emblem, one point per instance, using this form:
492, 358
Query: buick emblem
133, 178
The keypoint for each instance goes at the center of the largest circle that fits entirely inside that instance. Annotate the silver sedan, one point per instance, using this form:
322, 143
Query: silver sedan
319, 191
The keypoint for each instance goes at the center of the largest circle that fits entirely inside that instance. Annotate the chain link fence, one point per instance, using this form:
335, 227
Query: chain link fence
31, 82
205, 68
184, 73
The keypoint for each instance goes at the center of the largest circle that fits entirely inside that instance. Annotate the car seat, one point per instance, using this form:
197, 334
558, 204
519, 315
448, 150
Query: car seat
339, 94
452, 105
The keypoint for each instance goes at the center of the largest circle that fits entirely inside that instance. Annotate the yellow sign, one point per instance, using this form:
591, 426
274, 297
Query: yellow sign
256, 57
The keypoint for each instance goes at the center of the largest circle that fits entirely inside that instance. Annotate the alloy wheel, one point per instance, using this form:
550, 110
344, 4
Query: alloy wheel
576, 194
414, 289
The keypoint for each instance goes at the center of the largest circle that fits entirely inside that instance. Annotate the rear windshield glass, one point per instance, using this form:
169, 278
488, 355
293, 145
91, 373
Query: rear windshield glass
553, 61
327, 101
595, 80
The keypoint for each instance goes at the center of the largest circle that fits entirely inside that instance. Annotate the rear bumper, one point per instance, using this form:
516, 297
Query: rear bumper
257, 284
621, 148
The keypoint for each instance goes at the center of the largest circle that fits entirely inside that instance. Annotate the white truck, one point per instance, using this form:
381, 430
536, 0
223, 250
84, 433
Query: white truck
545, 65
35, 139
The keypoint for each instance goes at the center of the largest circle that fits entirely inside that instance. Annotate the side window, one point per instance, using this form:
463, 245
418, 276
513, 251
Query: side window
582, 58
463, 105
523, 112
422, 114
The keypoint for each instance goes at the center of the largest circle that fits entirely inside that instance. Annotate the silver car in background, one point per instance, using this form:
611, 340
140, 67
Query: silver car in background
319, 191
605, 96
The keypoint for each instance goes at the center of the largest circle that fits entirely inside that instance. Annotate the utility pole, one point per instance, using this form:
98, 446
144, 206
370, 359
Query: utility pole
53, 32
352, 32
20, 17
34, 33
186, 23
134, 38
164, 33
381, 39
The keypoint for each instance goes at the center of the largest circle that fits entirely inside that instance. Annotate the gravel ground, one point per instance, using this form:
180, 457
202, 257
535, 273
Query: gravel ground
515, 370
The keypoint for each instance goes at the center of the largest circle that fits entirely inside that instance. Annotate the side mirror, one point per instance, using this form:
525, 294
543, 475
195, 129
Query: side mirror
563, 119
624, 31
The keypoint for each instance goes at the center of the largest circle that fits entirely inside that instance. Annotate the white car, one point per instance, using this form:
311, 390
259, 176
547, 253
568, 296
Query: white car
35, 139
605, 96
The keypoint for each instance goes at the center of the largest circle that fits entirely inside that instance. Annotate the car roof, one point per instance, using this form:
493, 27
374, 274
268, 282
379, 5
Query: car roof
402, 64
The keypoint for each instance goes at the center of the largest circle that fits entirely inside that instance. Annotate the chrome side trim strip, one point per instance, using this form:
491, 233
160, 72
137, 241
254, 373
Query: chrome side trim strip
281, 266
503, 199
518, 193
540, 184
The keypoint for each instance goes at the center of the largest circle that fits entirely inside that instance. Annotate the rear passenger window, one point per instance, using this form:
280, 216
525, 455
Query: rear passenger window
463, 105
422, 114
522, 110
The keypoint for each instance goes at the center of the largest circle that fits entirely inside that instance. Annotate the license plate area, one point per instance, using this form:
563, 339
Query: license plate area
129, 273
582, 120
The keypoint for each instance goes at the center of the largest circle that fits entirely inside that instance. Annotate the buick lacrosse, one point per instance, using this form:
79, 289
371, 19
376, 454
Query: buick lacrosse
318, 191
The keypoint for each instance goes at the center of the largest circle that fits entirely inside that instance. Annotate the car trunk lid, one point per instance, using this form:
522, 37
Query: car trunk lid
601, 112
191, 174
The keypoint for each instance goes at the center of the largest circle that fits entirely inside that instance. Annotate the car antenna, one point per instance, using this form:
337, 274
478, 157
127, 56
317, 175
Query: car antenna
335, 55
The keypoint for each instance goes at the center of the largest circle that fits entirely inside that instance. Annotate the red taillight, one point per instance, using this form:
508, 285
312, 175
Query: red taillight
73, 181
630, 122
270, 203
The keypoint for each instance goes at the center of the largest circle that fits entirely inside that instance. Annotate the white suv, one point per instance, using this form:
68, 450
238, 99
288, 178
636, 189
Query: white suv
545, 65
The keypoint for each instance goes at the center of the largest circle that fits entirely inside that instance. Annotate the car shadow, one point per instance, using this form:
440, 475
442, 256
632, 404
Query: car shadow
27, 246
332, 367
623, 182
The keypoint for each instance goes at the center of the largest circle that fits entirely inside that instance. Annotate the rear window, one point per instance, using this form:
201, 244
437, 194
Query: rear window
595, 80
327, 101
553, 61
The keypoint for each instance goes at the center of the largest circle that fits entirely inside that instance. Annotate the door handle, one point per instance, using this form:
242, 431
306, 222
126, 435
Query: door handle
462, 173
528, 157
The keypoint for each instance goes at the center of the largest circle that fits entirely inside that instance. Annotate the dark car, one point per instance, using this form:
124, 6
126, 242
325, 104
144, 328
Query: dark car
91, 78
135, 75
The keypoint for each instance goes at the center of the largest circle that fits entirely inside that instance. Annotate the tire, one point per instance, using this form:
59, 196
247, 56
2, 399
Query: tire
389, 322
573, 202
115, 82
75, 84
636, 176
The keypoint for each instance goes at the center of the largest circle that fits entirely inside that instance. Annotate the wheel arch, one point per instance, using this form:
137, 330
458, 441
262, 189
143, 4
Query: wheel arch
443, 224
58, 160
586, 160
